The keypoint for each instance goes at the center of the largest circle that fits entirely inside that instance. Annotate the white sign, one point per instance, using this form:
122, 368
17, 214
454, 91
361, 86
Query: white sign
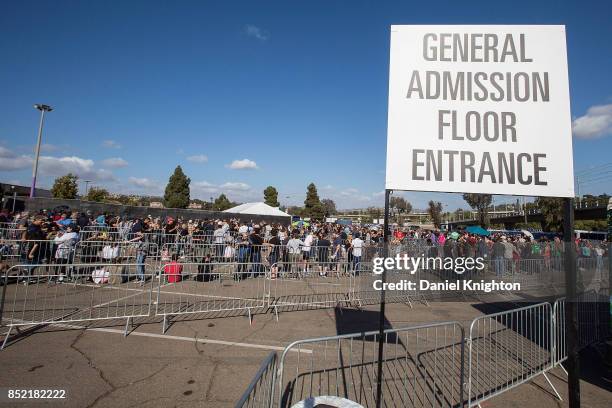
479, 109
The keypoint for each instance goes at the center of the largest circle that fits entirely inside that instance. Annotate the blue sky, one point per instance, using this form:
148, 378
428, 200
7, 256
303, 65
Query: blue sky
247, 94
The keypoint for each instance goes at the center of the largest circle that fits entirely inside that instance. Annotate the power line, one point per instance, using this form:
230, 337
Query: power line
593, 169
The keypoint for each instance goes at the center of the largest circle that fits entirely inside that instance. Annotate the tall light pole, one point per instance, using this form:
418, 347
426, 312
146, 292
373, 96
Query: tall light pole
42, 108
86, 186
14, 199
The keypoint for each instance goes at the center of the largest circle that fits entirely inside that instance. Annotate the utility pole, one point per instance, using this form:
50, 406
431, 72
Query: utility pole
42, 108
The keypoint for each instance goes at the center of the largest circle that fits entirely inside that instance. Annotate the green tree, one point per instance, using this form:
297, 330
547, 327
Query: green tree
96, 194
177, 190
400, 205
312, 205
271, 197
591, 225
435, 212
329, 207
222, 203
480, 203
65, 186
551, 209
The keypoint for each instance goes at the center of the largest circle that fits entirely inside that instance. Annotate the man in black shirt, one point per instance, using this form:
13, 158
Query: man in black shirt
274, 257
323, 245
33, 247
256, 242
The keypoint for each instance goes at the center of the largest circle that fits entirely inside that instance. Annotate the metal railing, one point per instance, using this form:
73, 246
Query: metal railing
68, 293
422, 366
508, 349
259, 392
189, 288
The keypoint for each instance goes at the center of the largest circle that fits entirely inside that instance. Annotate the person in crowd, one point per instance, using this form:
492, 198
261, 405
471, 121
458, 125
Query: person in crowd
173, 270
294, 249
142, 251
357, 247
323, 246
256, 242
32, 250
308, 242
497, 256
219, 240
64, 254
275, 245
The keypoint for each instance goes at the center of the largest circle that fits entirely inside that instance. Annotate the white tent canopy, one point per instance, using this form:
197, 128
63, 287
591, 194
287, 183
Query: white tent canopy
256, 209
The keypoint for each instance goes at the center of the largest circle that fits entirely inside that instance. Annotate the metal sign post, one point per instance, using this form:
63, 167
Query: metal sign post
381, 314
572, 364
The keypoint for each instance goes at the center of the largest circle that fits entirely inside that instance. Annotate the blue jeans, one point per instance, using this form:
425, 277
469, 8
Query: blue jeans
356, 264
140, 266
256, 263
499, 265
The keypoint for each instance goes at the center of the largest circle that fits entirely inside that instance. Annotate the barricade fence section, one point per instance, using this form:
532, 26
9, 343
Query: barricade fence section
591, 307
427, 365
259, 392
11, 232
315, 284
422, 367
45, 294
187, 288
117, 251
507, 349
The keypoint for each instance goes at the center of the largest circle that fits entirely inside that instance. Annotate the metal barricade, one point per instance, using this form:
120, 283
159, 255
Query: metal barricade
17, 251
259, 392
8, 231
62, 293
117, 251
508, 349
297, 285
559, 332
588, 317
188, 288
422, 367
101, 235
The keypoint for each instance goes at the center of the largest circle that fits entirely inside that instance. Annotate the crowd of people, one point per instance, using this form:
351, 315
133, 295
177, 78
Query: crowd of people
51, 237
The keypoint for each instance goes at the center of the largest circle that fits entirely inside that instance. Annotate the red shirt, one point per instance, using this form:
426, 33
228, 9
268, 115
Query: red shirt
173, 270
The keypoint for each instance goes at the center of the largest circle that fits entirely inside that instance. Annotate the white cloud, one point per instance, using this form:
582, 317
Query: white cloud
204, 187
15, 163
235, 186
111, 144
198, 158
244, 164
54, 166
11, 161
114, 162
143, 182
256, 32
596, 123
84, 168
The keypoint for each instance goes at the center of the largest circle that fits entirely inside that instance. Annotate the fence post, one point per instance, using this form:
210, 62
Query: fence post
573, 367
381, 321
